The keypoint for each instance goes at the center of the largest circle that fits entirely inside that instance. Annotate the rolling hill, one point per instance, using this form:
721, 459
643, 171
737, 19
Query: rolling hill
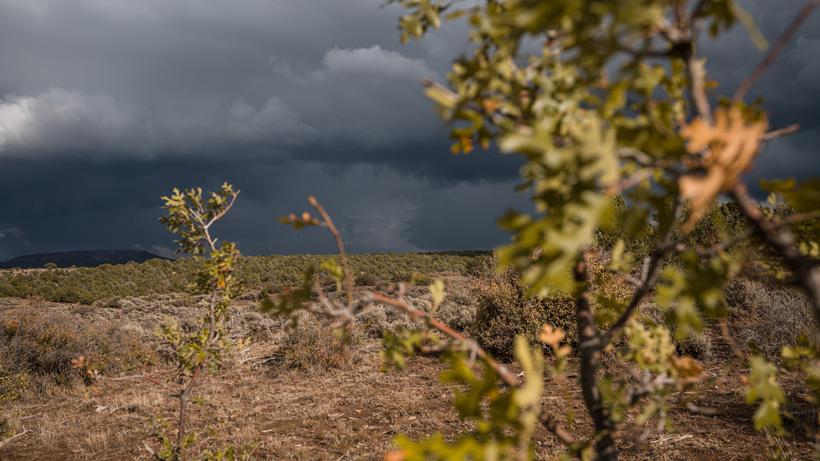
83, 258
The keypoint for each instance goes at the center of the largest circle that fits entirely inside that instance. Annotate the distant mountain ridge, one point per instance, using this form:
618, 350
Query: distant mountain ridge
82, 258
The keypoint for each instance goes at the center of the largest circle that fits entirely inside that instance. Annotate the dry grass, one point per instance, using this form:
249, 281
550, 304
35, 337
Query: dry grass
37, 346
280, 409
312, 345
766, 317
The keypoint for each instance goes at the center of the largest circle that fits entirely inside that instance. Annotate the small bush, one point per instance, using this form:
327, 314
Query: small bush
504, 311
42, 345
697, 345
765, 318
480, 266
366, 279
314, 346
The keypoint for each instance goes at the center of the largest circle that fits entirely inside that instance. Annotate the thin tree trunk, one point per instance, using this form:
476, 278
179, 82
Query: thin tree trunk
590, 350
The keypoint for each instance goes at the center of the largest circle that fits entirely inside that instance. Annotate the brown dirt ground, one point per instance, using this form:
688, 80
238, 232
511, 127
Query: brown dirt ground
338, 414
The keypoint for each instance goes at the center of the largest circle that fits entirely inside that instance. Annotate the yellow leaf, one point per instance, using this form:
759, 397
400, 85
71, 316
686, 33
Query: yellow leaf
394, 455
687, 367
724, 150
437, 293
551, 336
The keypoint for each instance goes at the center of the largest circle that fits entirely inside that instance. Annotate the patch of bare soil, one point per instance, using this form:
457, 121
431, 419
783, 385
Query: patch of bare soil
273, 410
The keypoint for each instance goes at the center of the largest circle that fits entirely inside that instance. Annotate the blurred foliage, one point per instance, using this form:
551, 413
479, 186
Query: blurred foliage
505, 419
608, 105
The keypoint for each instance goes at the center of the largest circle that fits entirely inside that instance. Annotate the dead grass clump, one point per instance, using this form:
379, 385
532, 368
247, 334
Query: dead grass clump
505, 310
313, 345
41, 345
765, 317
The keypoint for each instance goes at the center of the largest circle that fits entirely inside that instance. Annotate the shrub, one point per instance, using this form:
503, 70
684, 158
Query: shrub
480, 266
366, 279
42, 345
505, 310
89, 284
12, 387
766, 318
696, 345
312, 345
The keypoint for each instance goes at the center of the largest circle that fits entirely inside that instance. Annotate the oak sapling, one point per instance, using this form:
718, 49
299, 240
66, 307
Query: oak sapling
191, 217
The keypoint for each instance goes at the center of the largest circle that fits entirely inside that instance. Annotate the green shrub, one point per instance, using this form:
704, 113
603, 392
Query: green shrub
504, 310
87, 285
366, 279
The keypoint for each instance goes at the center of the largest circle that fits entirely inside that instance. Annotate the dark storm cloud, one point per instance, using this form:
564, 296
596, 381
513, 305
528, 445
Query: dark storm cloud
107, 104
790, 89
116, 204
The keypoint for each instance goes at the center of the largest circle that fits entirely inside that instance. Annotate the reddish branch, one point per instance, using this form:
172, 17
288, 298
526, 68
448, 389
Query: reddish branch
474, 348
506, 375
340, 245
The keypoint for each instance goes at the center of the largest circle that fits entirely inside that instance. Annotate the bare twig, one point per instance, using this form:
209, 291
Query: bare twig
15, 436
340, 245
730, 340
224, 211
557, 430
785, 131
505, 374
630, 181
697, 86
184, 396
775, 51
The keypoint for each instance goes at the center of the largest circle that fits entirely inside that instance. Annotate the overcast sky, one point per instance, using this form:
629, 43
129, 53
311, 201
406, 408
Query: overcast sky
107, 104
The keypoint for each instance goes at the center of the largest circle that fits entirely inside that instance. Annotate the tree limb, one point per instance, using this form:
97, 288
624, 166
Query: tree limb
340, 245
589, 345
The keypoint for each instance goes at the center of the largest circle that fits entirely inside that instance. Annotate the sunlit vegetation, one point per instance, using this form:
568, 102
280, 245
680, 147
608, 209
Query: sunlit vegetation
642, 247
87, 285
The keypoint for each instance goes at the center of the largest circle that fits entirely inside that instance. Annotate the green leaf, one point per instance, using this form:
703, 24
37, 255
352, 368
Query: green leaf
437, 293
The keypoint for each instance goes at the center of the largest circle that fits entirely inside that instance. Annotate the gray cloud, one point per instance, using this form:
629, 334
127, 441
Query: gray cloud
107, 104
790, 89
171, 78
10, 232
